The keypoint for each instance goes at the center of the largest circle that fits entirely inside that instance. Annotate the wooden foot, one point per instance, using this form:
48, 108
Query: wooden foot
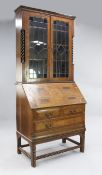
64, 140
33, 154
18, 143
82, 142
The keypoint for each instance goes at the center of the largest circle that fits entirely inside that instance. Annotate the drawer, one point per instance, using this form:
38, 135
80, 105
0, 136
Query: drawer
42, 125
73, 109
50, 124
48, 114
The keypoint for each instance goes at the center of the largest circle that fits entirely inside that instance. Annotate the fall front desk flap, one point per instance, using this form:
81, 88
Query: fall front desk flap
52, 94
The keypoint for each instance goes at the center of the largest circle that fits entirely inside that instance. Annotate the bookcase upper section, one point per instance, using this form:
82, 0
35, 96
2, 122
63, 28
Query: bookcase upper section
44, 42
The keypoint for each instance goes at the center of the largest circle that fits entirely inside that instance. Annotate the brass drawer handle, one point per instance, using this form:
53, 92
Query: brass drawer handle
76, 111
70, 112
48, 125
73, 112
49, 115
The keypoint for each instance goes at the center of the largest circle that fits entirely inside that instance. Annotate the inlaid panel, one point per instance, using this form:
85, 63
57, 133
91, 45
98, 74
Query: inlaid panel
52, 94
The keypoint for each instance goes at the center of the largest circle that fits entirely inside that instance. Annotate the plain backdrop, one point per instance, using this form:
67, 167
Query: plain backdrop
88, 76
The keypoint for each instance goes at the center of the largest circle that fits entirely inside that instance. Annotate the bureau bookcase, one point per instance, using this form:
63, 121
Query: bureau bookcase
49, 104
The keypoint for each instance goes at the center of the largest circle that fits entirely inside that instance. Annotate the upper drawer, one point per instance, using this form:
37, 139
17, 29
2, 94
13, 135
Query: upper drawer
73, 109
59, 112
48, 113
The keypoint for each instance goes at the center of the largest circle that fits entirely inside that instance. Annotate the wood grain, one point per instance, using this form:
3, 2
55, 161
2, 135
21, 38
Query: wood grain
55, 94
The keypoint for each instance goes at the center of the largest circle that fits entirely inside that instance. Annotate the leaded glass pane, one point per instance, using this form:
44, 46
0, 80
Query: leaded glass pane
60, 49
38, 47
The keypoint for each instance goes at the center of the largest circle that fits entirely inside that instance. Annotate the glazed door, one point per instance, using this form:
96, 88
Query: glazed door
36, 65
61, 44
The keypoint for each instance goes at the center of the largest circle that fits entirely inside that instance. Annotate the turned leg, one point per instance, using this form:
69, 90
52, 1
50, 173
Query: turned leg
64, 140
33, 154
18, 143
82, 142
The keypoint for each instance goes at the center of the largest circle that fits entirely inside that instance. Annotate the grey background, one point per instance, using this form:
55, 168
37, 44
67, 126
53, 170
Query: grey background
88, 76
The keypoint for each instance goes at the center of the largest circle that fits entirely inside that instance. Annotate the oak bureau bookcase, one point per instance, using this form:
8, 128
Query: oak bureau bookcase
49, 104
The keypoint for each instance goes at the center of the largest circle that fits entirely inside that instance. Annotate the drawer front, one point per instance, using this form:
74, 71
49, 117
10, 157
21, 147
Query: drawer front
59, 112
74, 109
48, 114
46, 125
68, 121
42, 125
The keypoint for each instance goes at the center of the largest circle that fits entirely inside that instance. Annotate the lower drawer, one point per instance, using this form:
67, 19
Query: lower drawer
50, 124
